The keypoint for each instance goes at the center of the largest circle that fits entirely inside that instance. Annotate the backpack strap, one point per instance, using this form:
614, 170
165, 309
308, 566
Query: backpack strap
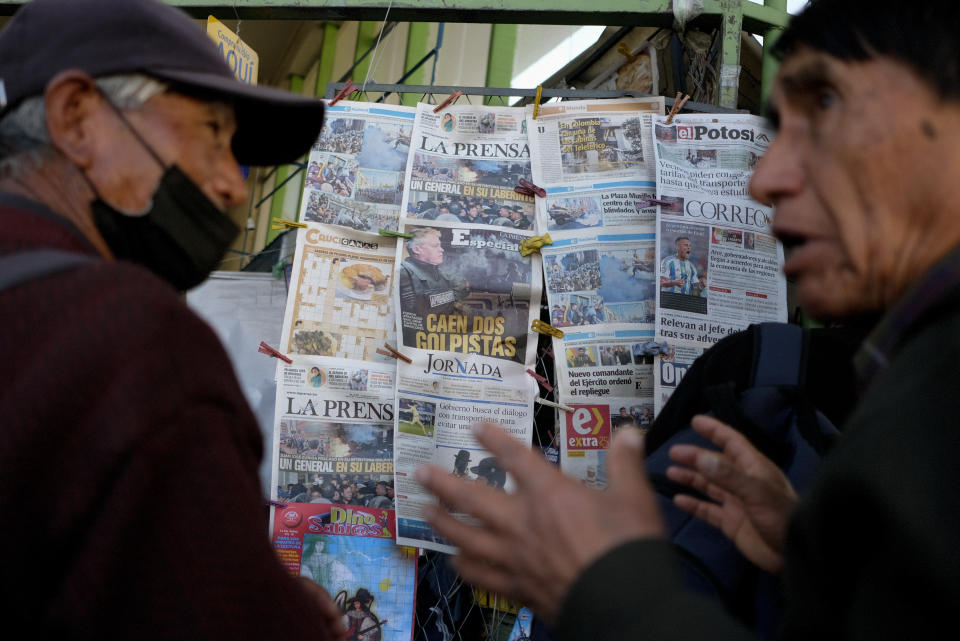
24, 266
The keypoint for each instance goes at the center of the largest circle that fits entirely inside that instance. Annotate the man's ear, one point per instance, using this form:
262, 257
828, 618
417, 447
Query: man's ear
72, 101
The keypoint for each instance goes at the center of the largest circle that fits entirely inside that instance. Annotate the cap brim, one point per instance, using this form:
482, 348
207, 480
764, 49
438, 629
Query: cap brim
274, 127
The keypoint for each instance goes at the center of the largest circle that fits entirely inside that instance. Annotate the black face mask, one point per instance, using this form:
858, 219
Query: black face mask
181, 238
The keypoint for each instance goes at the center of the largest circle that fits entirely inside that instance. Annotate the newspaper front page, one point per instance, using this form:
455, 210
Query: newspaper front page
356, 168
466, 299
464, 164
719, 268
595, 159
340, 300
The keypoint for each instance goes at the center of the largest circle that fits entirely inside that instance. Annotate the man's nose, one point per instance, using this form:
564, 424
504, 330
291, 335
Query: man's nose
778, 174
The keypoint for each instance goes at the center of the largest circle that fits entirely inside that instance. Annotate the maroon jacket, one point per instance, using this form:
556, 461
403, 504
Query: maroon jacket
128, 462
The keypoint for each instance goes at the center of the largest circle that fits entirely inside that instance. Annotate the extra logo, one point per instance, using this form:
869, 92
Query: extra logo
588, 427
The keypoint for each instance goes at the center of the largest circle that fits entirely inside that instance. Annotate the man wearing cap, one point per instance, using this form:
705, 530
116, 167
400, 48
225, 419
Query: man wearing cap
121, 129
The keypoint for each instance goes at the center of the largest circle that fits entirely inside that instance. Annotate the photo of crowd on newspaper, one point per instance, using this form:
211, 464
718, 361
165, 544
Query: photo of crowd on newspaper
341, 136
470, 171
627, 275
322, 207
383, 187
447, 207
330, 173
575, 271
597, 144
416, 417
683, 267
470, 296
574, 213
341, 489
385, 146
319, 439
577, 309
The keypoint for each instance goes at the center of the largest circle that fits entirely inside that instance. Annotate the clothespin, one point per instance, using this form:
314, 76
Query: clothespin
275, 503
534, 243
451, 98
624, 51
394, 234
269, 351
343, 93
280, 223
527, 188
542, 379
536, 101
392, 353
543, 401
545, 328
677, 106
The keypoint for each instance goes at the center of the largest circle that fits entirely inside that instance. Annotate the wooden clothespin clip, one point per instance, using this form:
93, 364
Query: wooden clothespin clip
536, 102
545, 328
678, 104
269, 351
393, 234
343, 93
393, 353
543, 381
280, 223
624, 51
527, 188
451, 98
533, 244
543, 401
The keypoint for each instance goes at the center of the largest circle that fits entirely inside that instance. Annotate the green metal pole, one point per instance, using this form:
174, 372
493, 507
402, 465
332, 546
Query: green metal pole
770, 64
731, 24
283, 171
328, 50
503, 44
418, 44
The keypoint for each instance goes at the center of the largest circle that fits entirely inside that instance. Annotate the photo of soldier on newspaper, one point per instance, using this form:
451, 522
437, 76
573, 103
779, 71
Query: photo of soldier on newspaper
322, 207
627, 275
683, 267
598, 144
575, 271
385, 146
574, 213
384, 187
340, 135
465, 290
578, 309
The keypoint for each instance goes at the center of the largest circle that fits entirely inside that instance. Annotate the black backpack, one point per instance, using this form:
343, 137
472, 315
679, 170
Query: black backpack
760, 382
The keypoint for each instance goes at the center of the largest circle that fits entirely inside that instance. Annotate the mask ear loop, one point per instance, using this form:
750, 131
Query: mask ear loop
136, 134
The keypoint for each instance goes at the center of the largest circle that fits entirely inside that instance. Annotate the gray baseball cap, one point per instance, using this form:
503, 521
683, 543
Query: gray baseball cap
109, 37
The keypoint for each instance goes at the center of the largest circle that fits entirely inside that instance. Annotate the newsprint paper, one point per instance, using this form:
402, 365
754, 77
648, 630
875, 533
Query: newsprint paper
719, 268
466, 299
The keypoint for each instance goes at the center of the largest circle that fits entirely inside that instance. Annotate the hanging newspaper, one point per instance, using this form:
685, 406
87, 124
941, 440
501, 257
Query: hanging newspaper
340, 301
719, 267
350, 552
333, 435
466, 299
465, 162
356, 167
595, 160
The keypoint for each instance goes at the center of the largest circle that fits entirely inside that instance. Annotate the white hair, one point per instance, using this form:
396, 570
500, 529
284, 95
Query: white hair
24, 140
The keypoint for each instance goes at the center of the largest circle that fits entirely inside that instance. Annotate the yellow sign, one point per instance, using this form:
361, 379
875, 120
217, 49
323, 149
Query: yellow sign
242, 60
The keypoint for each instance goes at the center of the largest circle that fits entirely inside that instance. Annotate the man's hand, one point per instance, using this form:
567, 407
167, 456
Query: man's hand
755, 498
531, 545
327, 607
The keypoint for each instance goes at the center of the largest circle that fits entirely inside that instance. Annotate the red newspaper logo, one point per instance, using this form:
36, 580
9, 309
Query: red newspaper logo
685, 132
588, 427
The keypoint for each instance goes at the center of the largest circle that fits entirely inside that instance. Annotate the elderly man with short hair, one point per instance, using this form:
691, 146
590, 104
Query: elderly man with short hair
128, 453
863, 174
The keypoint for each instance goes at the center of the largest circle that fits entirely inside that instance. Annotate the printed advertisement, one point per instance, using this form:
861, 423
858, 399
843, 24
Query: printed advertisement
340, 301
357, 166
351, 553
466, 298
465, 162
